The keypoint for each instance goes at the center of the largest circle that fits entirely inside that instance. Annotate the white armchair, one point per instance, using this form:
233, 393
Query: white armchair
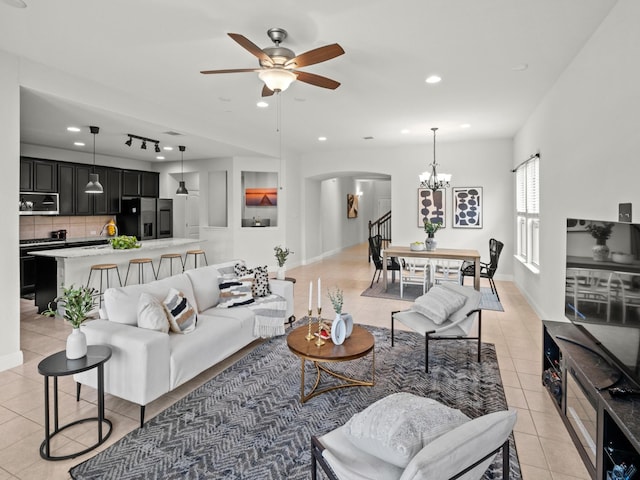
406, 437
445, 312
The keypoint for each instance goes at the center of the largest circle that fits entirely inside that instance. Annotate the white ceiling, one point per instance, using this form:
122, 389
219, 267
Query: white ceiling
152, 51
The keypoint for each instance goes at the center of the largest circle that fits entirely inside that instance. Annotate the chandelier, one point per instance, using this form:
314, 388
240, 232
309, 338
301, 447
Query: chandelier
433, 180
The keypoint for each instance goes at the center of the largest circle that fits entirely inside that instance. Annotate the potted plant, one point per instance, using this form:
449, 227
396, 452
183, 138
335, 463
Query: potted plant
73, 306
601, 233
281, 257
430, 229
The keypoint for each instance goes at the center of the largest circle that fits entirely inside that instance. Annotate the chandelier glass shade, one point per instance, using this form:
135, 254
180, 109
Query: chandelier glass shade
277, 79
94, 185
432, 179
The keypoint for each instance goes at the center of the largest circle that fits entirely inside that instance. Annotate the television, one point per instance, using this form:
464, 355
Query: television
602, 289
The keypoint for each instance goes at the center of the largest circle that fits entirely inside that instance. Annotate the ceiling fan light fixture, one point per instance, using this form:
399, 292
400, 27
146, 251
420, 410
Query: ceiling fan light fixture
277, 79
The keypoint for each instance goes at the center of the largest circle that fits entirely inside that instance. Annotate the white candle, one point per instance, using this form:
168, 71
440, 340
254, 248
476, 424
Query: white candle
319, 293
310, 293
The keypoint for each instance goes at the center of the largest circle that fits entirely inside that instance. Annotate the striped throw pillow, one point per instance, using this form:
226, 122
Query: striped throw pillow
234, 292
182, 316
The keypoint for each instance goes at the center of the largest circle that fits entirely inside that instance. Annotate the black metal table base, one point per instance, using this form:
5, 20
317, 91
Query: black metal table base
46, 442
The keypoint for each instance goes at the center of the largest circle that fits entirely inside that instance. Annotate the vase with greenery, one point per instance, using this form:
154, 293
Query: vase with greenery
338, 327
601, 233
430, 229
281, 255
74, 306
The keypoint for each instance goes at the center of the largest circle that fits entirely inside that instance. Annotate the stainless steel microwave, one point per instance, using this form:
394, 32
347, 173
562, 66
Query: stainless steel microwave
31, 203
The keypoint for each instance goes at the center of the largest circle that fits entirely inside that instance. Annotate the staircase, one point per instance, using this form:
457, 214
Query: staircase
382, 227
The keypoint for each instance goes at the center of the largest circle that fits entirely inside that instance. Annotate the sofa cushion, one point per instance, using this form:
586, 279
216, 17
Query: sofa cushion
398, 426
121, 303
182, 316
204, 281
259, 276
438, 303
151, 314
234, 293
459, 448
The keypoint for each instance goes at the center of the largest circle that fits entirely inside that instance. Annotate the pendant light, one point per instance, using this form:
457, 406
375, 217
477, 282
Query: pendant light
434, 180
182, 190
94, 185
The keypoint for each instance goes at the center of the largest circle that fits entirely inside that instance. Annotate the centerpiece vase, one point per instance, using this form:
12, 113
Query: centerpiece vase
600, 251
348, 323
338, 330
430, 243
76, 344
280, 273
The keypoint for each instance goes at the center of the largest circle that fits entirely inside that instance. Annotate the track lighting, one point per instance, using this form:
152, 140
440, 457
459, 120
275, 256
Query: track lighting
182, 189
144, 141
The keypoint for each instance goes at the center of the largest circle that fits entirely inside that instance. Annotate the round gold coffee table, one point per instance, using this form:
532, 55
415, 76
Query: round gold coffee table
359, 344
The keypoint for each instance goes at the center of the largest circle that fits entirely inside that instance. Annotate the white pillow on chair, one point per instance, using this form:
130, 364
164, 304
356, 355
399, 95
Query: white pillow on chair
439, 303
398, 426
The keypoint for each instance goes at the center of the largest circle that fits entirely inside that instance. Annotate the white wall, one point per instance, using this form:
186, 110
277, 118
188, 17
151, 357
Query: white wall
10, 353
586, 130
484, 164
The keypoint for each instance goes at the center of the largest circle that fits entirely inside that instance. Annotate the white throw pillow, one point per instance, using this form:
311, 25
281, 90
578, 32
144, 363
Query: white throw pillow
151, 314
472, 300
182, 316
438, 304
461, 447
398, 426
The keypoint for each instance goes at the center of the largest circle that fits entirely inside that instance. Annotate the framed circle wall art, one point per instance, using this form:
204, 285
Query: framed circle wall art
467, 207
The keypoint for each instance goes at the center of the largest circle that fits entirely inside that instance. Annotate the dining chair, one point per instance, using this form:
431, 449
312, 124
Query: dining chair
375, 246
414, 272
487, 270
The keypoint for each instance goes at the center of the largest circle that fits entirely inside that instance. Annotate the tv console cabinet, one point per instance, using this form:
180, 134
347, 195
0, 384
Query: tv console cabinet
605, 430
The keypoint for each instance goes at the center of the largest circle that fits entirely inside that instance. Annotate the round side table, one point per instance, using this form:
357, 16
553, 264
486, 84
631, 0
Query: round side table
57, 365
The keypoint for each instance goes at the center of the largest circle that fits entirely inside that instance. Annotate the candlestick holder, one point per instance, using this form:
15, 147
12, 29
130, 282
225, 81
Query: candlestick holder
319, 341
309, 336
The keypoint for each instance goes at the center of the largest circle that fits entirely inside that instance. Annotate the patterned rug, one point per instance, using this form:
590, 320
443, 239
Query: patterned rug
411, 292
248, 423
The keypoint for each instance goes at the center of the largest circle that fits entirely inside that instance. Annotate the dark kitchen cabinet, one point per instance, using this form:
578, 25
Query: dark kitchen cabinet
140, 184
27, 272
66, 188
83, 201
150, 184
114, 191
130, 183
72, 180
38, 175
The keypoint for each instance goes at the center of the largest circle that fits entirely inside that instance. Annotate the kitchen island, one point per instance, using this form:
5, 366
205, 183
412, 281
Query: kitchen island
70, 266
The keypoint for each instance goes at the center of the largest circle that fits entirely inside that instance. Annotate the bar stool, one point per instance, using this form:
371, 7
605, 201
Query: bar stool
171, 257
195, 254
140, 262
104, 269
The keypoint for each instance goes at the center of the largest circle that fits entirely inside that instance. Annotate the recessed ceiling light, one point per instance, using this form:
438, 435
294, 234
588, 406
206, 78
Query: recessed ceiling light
465, 125
433, 79
73, 129
405, 131
521, 67
167, 148
78, 144
15, 3
262, 104
322, 139
159, 157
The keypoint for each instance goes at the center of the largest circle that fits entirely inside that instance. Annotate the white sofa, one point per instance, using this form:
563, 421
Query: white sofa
145, 364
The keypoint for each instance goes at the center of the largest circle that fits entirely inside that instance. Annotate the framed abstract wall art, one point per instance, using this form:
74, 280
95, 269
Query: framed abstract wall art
352, 205
431, 206
467, 207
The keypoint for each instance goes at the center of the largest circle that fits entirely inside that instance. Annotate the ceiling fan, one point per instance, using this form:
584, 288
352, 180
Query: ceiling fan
278, 65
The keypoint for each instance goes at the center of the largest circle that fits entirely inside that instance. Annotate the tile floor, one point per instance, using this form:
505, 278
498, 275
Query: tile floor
545, 449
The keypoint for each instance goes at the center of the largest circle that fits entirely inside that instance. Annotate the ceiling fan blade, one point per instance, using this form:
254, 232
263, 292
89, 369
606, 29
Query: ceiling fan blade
232, 70
251, 47
317, 55
266, 91
317, 80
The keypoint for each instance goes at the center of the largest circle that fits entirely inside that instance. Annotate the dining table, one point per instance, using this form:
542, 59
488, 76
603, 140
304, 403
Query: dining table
438, 253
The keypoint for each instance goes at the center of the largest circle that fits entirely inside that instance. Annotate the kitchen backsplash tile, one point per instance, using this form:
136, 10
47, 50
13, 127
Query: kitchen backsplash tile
41, 226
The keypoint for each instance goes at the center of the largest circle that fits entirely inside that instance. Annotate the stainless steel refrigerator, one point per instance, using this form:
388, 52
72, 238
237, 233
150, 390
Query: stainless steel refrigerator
146, 218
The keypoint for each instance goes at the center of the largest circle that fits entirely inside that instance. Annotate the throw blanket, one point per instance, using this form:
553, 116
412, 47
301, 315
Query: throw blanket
270, 312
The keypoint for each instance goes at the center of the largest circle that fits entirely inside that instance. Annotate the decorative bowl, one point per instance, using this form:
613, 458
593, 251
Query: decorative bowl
619, 257
417, 247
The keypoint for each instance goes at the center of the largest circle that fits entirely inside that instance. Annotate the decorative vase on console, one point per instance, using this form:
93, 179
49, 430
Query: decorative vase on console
74, 306
281, 257
601, 233
431, 229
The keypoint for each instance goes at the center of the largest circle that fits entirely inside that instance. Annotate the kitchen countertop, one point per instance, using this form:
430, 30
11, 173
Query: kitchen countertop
98, 250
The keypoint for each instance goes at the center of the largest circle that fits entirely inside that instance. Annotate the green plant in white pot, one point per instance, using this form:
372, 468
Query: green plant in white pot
281, 255
74, 306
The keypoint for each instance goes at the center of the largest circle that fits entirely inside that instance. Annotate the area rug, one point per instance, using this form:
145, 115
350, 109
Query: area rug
411, 292
248, 422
